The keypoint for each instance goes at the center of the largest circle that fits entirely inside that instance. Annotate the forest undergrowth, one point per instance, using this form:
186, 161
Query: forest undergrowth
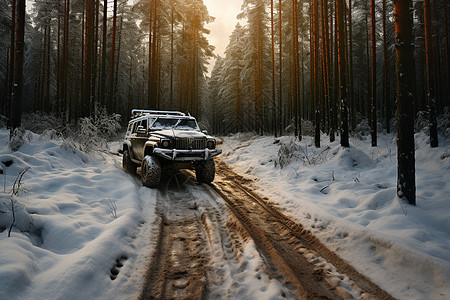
86, 134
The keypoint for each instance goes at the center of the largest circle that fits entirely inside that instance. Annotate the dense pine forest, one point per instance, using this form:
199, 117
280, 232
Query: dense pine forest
84, 54
291, 66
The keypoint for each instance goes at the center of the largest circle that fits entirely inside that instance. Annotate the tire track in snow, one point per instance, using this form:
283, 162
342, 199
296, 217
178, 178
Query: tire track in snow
199, 254
313, 269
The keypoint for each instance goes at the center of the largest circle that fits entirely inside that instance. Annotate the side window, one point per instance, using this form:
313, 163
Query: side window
150, 122
144, 123
135, 126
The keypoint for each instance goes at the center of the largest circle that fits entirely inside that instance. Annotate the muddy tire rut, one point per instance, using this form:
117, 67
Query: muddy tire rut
178, 266
201, 245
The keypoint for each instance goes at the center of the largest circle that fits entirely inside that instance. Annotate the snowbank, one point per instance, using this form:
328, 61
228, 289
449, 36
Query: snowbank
77, 216
80, 220
347, 197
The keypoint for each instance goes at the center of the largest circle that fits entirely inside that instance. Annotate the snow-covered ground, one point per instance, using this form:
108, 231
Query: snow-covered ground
347, 197
77, 218
80, 219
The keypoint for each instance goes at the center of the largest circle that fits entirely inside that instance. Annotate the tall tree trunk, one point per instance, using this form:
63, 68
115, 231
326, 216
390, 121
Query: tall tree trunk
95, 75
342, 73
351, 93
40, 74
280, 79
89, 81
58, 68
316, 91
332, 77
194, 65
65, 57
111, 104
373, 109
430, 75
297, 122
326, 65
447, 62
172, 21
47, 87
274, 103
12, 62
103, 71
116, 75
5, 93
17, 89
406, 186
78, 111
337, 87
386, 85
367, 105
154, 71
150, 103
436, 56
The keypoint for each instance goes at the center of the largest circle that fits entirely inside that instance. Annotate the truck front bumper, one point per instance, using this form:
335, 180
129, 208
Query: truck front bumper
187, 155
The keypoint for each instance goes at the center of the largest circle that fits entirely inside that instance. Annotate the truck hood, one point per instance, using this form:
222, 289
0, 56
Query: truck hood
180, 133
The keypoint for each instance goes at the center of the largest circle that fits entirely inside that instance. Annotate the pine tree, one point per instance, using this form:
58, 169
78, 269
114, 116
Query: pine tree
342, 73
430, 75
406, 186
17, 90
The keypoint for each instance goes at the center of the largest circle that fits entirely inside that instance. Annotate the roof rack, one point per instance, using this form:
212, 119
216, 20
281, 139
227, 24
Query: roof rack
141, 112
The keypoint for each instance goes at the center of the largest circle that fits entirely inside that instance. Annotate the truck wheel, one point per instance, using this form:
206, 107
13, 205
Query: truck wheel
151, 171
127, 164
205, 171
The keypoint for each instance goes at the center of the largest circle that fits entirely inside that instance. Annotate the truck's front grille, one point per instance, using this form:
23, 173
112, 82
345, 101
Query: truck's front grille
190, 143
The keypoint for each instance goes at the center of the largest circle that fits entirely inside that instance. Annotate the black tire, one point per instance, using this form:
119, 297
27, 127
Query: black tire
151, 171
205, 171
127, 164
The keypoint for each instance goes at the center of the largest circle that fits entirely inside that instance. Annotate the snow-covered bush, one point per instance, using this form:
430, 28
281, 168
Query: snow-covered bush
244, 136
287, 153
94, 132
291, 151
443, 122
2, 121
18, 138
87, 134
421, 123
41, 122
362, 128
108, 125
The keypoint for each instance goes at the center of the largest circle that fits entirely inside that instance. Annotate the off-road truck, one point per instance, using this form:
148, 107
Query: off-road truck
159, 139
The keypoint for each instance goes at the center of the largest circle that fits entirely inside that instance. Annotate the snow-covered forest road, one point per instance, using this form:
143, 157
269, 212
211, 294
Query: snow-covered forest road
84, 228
200, 248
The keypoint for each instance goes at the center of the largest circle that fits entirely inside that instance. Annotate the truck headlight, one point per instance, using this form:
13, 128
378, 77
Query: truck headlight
165, 143
211, 144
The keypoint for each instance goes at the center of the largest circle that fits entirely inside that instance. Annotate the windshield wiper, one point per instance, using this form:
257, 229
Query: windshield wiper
176, 125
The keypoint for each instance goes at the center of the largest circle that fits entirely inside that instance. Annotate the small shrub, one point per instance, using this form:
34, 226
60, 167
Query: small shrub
18, 138
87, 134
421, 123
287, 153
443, 122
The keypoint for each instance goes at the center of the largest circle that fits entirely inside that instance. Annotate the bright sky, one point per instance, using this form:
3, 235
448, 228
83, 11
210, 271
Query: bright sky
225, 12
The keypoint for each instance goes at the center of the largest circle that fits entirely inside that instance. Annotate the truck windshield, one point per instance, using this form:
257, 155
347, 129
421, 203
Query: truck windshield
174, 123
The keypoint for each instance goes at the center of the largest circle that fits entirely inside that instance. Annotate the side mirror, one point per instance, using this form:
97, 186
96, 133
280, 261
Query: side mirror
141, 130
205, 132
